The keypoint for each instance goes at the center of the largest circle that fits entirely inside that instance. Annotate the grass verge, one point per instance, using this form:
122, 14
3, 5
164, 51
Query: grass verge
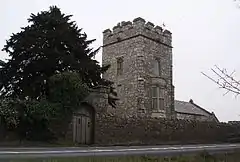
204, 157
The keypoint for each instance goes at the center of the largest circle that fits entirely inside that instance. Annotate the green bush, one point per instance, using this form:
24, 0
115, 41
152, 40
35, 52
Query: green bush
29, 119
32, 119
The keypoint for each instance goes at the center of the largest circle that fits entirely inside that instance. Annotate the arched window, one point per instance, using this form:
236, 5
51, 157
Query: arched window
157, 67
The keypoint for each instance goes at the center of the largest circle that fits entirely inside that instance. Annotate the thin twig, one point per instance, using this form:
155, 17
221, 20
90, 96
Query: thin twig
225, 81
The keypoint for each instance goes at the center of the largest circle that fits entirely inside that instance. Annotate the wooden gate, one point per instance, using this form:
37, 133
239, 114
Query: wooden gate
83, 126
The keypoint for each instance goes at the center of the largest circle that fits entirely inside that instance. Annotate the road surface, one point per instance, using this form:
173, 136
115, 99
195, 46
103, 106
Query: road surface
42, 152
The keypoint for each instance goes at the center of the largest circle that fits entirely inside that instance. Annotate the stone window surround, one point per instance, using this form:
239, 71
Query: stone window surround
120, 65
158, 97
159, 81
157, 64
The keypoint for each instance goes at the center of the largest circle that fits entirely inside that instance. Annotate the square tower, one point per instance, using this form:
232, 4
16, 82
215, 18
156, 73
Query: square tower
140, 55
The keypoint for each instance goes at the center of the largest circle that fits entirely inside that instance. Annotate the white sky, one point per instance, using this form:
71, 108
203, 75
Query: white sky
205, 33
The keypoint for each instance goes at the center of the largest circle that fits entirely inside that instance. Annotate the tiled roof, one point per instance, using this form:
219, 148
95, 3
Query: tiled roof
189, 108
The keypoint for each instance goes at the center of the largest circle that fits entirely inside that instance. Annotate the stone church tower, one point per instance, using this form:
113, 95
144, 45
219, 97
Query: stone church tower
140, 55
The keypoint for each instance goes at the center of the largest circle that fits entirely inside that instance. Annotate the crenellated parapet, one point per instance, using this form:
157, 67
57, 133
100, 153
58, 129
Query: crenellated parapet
138, 27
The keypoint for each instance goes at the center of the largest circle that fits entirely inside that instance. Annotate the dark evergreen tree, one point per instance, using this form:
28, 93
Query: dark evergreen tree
49, 45
2, 63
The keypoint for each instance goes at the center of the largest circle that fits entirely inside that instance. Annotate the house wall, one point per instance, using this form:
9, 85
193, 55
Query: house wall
184, 116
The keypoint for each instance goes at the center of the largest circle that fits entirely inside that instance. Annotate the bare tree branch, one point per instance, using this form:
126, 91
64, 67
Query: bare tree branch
225, 80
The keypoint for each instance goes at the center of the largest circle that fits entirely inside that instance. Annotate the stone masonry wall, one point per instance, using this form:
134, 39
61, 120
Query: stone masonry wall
115, 130
138, 43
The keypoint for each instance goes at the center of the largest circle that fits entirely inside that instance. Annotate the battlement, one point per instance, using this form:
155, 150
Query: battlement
128, 29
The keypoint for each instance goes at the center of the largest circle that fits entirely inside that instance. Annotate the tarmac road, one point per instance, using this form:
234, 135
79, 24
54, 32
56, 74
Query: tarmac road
167, 150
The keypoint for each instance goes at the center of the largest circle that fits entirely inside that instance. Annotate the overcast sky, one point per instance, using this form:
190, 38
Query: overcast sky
205, 33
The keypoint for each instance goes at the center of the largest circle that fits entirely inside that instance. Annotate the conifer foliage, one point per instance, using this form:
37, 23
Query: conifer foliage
51, 69
49, 45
